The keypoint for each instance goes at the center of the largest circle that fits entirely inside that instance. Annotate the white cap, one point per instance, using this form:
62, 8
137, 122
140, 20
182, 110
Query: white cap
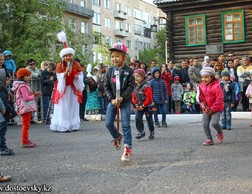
66, 51
206, 57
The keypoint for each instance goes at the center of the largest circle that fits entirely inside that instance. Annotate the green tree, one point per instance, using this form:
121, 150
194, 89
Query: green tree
29, 28
157, 53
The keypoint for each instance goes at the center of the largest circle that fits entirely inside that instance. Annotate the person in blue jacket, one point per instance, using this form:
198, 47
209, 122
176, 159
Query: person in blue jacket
9, 63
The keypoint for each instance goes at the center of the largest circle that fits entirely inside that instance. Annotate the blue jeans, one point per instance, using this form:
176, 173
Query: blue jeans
3, 129
46, 102
163, 112
139, 120
102, 103
125, 123
226, 115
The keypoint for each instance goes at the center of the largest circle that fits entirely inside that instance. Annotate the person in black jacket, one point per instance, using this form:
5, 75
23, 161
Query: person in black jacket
119, 80
48, 77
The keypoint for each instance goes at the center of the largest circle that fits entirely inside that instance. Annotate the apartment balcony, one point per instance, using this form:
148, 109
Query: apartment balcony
121, 33
120, 15
79, 10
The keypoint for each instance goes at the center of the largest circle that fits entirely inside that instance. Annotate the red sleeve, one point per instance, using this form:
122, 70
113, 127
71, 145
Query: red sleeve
148, 94
134, 100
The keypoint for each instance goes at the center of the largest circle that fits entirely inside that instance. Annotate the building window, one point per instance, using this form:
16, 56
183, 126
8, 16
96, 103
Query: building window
147, 32
129, 44
138, 29
83, 3
128, 11
97, 18
118, 25
233, 26
107, 4
137, 14
108, 40
96, 2
84, 27
128, 28
118, 7
195, 30
107, 23
72, 24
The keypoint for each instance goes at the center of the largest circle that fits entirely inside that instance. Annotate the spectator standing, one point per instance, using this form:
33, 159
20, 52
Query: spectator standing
48, 78
249, 94
244, 77
160, 96
183, 73
153, 63
35, 84
100, 85
177, 92
194, 72
166, 76
84, 94
229, 98
222, 62
9, 63
174, 71
206, 62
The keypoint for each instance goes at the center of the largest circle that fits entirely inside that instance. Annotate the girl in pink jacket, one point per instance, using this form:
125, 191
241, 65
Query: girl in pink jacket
25, 100
212, 104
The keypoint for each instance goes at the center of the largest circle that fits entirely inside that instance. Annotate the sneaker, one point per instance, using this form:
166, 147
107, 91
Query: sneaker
117, 142
208, 142
164, 125
151, 136
140, 135
126, 154
220, 137
157, 124
4, 178
7, 152
32, 122
229, 128
31, 145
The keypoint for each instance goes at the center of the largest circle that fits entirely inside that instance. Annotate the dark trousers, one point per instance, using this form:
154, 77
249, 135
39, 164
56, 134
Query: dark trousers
46, 111
83, 104
3, 129
139, 120
245, 100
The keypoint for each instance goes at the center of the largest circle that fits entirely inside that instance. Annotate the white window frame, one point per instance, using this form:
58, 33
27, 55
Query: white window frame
97, 18
107, 23
84, 27
107, 4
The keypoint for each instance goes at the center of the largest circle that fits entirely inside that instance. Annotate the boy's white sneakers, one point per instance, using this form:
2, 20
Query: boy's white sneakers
126, 154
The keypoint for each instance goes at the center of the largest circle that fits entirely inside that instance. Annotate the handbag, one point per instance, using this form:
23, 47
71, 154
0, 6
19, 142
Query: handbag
27, 106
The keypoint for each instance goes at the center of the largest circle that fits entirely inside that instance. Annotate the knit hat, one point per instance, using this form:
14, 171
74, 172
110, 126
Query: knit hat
207, 71
206, 58
225, 72
23, 72
66, 50
140, 72
176, 78
119, 47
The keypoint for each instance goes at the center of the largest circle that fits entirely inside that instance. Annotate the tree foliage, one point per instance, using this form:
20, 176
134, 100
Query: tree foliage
28, 28
157, 53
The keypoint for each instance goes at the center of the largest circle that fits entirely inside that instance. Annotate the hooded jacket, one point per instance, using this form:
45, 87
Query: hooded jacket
9, 64
159, 91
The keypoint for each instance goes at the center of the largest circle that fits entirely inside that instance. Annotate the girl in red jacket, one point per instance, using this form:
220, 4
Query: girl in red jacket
142, 99
211, 102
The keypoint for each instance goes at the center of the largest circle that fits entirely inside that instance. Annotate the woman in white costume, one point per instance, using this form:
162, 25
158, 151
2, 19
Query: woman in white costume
67, 93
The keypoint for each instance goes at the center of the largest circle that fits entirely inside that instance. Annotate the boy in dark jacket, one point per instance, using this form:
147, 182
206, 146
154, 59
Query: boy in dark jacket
160, 96
118, 85
228, 89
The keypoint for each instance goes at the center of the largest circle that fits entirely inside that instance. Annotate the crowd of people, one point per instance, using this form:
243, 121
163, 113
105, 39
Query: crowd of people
144, 89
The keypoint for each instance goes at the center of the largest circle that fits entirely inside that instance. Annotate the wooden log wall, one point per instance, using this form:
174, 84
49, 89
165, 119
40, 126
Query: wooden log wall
176, 24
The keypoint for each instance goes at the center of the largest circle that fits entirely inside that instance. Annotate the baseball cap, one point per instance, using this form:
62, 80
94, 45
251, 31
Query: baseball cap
119, 47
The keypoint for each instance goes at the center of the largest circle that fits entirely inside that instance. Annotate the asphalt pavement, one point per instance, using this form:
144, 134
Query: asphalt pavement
174, 162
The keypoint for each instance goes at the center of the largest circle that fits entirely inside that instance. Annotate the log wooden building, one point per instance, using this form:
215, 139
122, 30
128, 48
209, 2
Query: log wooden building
207, 27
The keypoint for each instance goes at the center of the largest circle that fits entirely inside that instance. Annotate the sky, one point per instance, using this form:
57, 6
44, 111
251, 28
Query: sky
149, 1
